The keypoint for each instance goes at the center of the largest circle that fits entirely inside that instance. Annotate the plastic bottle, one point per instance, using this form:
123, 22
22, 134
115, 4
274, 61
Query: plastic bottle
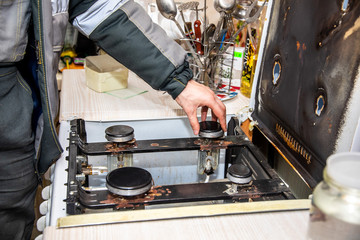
250, 58
254, 32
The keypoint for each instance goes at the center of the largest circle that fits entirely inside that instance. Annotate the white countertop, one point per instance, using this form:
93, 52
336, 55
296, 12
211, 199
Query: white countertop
79, 101
275, 225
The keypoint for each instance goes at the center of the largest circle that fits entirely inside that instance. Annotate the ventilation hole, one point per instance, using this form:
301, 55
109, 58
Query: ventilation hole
344, 5
276, 72
320, 104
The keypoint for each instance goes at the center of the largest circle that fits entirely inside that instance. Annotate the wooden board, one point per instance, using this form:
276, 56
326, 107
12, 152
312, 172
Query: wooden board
182, 212
265, 225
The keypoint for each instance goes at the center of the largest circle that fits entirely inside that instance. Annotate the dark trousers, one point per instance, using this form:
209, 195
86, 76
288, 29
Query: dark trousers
18, 181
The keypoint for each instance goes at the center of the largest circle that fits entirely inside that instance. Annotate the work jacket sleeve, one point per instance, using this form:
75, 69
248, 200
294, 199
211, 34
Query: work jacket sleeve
124, 30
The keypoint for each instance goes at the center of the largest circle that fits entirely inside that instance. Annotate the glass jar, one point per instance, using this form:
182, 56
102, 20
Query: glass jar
335, 210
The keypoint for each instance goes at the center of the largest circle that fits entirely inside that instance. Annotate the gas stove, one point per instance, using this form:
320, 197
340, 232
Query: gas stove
303, 113
143, 174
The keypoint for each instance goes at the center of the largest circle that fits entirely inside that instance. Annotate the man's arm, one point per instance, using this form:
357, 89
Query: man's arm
125, 31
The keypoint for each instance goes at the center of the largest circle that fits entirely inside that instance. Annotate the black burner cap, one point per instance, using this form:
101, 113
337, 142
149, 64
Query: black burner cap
129, 181
119, 133
210, 129
239, 170
239, 173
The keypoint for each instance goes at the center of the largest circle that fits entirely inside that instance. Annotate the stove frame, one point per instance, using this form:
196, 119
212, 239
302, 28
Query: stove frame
266, 184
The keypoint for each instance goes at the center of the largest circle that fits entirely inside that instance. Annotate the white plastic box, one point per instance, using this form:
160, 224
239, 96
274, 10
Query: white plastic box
104, 73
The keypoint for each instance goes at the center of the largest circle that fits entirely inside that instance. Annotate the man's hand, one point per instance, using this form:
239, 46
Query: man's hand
196, 95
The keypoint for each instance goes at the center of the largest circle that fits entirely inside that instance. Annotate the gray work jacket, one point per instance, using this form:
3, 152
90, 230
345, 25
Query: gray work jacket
121, 28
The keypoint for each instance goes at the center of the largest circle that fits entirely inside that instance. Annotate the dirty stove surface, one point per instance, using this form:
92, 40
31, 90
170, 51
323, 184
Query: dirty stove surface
170, 156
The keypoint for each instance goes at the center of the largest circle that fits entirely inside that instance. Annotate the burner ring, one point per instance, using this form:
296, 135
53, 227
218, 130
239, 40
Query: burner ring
119, 133
129, 181
239, 173
210, 129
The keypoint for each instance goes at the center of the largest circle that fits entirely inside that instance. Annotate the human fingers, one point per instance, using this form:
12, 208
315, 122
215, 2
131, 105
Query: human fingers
219, 112
218, 109
204, 111
213, 116
197, 95
194, 123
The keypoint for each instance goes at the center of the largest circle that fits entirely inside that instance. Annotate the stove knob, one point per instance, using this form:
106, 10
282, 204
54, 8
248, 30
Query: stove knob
40, 237
52, 173
45, 193
41, 224
43, 208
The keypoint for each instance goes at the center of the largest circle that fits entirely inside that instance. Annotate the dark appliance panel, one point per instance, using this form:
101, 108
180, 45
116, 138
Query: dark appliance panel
307, 80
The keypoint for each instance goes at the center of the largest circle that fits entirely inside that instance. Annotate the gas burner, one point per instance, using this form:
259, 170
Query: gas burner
119, 133
129, 181
239, 173
210, 129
